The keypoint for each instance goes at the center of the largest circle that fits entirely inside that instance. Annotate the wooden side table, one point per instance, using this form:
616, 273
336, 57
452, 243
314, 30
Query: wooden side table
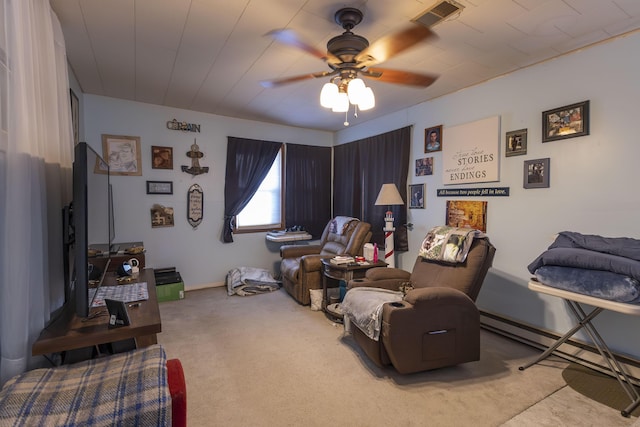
344, 272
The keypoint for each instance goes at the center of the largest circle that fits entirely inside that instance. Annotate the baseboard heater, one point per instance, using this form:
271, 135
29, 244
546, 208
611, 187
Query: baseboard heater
573, 350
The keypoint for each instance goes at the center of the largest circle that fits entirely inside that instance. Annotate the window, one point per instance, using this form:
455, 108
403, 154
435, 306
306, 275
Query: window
264, 211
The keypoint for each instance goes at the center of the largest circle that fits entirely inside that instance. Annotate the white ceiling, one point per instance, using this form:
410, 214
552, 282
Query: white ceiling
210, 55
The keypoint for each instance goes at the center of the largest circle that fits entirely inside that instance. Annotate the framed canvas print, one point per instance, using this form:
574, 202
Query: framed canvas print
161, 216
161, 157
123, 154
464, 213
536, 173
433, 139
424, 166
159, 187
569, 121
416, 201
516, 143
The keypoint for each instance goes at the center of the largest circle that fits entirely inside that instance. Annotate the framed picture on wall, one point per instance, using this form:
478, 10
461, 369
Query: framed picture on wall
161, 157
433, 139
565, 122
123, 154
424, 166
416, 196
516, 143
536, 173
159, 187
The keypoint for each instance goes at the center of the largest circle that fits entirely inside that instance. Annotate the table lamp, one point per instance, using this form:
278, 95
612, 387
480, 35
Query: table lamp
389, 195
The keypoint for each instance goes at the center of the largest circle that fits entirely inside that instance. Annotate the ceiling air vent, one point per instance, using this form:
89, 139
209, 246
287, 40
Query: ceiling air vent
438, 12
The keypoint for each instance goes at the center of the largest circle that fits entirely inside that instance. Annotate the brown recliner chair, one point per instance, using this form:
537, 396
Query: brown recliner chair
437, 323
301, 266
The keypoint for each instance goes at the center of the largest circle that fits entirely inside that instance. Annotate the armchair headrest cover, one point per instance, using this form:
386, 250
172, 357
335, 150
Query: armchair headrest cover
448, 244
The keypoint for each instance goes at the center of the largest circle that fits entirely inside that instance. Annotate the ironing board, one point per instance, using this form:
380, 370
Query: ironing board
574, 300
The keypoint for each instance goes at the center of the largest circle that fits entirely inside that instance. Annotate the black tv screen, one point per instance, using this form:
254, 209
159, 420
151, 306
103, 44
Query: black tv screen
92, 219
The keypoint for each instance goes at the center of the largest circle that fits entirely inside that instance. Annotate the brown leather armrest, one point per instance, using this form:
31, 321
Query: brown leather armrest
311, 262
384, 273
295, 251
436, 295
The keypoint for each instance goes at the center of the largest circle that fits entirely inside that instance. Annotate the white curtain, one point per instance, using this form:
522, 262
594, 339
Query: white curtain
35, 176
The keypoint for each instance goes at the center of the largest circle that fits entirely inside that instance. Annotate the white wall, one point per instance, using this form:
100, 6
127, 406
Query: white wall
593, 178
198, 254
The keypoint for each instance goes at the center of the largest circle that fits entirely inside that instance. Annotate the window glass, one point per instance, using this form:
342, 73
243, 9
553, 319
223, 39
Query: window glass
264, 211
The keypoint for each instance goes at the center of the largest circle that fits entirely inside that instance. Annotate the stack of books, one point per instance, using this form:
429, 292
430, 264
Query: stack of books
338, 260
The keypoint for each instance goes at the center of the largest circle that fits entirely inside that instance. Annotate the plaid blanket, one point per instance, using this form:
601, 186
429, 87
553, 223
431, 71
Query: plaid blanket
128, 389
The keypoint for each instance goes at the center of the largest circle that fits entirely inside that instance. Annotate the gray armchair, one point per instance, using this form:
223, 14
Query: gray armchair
437, 323
301, 266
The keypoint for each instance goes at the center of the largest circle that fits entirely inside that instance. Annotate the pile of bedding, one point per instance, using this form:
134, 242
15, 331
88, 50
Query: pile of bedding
602, 267
245, 281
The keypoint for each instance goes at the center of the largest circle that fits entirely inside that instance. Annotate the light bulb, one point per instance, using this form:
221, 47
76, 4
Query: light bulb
342, 103
355, 90
328, 95
367, 100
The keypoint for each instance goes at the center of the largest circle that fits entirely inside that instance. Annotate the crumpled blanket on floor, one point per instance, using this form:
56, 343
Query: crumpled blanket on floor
448, 244
362, 306
245, 281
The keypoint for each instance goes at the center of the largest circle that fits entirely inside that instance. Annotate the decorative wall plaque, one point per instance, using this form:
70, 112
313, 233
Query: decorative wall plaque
195, 154
195, 198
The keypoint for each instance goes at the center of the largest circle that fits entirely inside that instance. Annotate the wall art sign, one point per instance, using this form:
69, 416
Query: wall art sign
471, 154
195, 154
195, 203
473, 192
569, 121
183, 126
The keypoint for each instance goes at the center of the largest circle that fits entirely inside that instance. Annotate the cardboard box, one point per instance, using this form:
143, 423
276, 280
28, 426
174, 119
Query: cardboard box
170, 292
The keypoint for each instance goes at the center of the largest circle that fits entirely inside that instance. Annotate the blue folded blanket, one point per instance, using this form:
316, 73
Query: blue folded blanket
603, 267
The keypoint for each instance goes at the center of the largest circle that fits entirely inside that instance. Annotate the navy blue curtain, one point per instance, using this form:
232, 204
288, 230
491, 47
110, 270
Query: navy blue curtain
308, 187
248, 162
360, 169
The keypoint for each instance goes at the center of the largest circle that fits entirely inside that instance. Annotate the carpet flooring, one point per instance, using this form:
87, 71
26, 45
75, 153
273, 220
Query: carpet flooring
265, 360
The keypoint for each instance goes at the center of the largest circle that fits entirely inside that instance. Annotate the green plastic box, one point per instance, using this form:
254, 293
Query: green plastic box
170, 292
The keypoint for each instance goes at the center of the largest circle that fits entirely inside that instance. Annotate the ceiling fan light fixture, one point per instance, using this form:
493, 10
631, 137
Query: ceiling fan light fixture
328, 95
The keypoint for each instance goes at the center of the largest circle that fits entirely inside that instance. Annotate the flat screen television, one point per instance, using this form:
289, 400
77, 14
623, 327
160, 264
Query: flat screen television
91, 223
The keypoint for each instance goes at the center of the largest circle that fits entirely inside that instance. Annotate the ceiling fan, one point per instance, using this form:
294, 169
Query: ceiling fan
349, 55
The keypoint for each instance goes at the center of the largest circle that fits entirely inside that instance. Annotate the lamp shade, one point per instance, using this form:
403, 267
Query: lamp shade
389, 195
328, 95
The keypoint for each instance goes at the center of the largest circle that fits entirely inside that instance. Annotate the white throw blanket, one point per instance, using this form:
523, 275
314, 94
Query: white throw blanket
250, 281
363, 307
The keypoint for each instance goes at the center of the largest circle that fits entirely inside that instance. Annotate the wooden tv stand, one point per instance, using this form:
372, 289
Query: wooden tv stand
69, 332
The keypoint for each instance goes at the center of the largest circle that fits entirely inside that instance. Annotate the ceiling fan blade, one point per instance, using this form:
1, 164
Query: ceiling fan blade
391, 45
399, 76
290, 38
293, 79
